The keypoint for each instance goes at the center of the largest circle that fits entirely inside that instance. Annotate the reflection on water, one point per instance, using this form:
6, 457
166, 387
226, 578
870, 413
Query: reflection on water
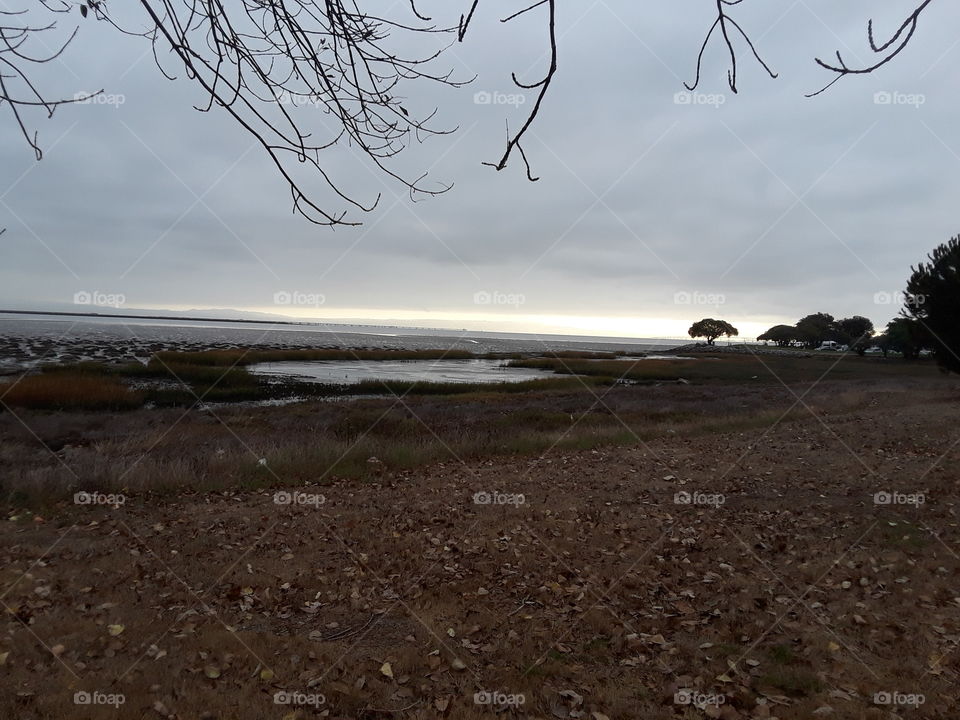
353, 371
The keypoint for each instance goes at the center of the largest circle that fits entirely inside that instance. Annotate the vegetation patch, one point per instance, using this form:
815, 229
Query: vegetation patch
69, 391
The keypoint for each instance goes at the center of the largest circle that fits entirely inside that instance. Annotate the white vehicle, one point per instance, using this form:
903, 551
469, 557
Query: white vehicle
831, 345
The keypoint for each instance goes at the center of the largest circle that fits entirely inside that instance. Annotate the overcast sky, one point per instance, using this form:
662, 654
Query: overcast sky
650, 212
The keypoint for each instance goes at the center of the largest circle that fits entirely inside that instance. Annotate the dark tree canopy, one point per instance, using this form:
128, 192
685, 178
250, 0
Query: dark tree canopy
782, 335
712, 329
247, 55
856, 331
815, 329
932, 301
904, 336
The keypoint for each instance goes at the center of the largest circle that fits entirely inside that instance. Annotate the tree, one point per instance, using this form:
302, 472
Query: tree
782, 335
856, 331
932, 301
904, 336
711, 329
248, 56
814, 329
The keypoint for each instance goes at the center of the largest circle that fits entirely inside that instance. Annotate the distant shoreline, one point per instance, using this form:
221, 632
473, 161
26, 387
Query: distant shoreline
153, 317
406, 330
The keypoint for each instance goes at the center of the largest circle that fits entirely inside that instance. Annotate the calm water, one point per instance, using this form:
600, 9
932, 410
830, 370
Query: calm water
27, 339
353, 371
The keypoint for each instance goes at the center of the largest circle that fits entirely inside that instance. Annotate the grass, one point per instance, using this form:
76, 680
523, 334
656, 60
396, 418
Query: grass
795, 682
183, 379
781, 654
69, 391
786, 676
418, 387
319, 442
903, 535
734, 368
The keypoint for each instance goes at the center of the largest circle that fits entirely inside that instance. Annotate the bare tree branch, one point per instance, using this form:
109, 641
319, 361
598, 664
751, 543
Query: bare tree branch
256, 59
17, 90
887, 51
725, 22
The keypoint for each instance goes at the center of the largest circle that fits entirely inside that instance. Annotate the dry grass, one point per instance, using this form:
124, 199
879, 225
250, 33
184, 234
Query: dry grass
737, 368
324, 441
599, 597
69, 391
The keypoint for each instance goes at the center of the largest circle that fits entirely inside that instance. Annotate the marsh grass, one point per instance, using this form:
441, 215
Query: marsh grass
734, 368
69, 391
315, 443
184, 379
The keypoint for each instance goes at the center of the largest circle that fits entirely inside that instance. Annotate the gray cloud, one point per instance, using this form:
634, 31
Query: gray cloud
695, 198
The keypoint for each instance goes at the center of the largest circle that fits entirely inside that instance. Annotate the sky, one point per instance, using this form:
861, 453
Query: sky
654, 207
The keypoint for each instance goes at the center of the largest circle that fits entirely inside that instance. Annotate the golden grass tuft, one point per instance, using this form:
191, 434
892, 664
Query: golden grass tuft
69, 391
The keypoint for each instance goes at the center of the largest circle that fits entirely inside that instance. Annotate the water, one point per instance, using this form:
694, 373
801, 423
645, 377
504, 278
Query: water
348, 372
28, 339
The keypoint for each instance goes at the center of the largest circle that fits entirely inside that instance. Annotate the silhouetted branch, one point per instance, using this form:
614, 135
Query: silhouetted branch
253, 59
465, 21
898, 41
513, 141
17, 89
725, 22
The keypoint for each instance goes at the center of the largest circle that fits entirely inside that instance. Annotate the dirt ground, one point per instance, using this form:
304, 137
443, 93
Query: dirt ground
801, 569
